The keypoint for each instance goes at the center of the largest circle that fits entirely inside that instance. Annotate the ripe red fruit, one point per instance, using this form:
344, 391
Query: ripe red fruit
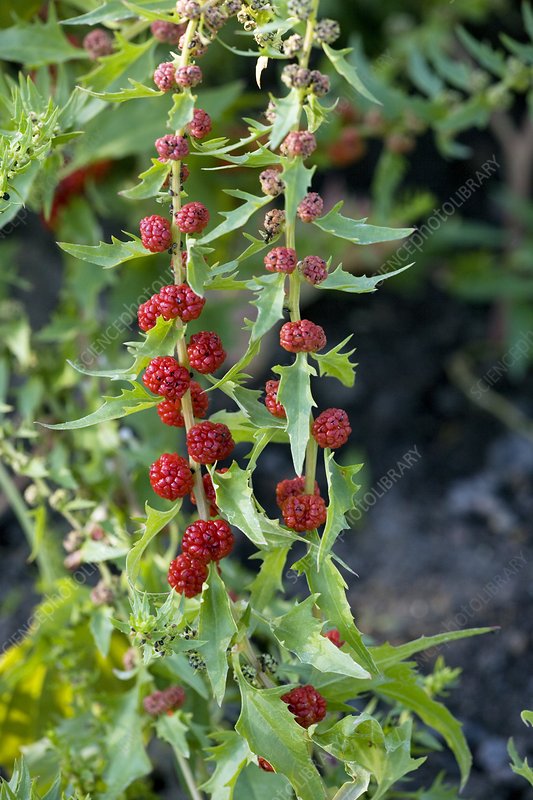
281, 259
208, 442
334, 636
265, 765
171, 476
172, 147
307, 705
187, 575
148, 312
314, 269
180, 301
156, 235
332, 428
311, 207
304, 512
292, 487
192, 218
165, 76
206, 353
167, 31
200, 125
208, 540
170, 410
210, 492
271, 400
164, 376
302, 337
164, 702
188, 76
298, 143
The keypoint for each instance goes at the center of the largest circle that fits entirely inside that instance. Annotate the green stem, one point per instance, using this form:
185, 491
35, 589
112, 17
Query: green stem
311, 456
188, 777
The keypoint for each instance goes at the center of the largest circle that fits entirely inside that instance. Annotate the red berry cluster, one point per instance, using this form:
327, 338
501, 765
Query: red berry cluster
307, 705
164, 702
203, 541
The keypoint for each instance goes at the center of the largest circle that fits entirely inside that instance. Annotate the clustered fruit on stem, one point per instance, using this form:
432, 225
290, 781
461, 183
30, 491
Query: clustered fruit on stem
185, 403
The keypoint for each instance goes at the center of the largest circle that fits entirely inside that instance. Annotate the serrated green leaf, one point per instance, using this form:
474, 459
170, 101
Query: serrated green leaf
519, 765
130, 401
112, 11
126, 757
297, 178
182, 110
271, 732
348, 72
230, 757
329, 584
154, 523
343, 281
269, 580
173, 730
151, 181
110, 68
235, 500
386, 655
335, 364
217, 628
255, 784
198, 269
238, 217
108, 255
401, 687
287, 110
164, 11
421, 74
301, 632
136, 91
294, 393
270, 297
356, 788
492, 60
356, 230
341, 491
38, 43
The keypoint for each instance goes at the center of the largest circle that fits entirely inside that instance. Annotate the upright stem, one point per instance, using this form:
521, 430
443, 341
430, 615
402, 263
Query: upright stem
188, 777
177, 265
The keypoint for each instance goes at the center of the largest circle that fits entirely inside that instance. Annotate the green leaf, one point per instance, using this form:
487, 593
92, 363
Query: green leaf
255, 784
216, 628
130, 401
237, 504
422, 76
329, 584
492, 60
112, 11
182, 110
341, 492
401, 687
230, 757
108, 255
158, 13
101, 628
518, 765
287, 117
173, 730
153, 524
271, 732
335, 364
126, 757
356, 230
269, 579
253, 408
238, 217
528, 18
198, 269
527, 718
151, 182
137, 90
356, 788
294, 393
297, 178
38, 43
386, 655
301, 632
343, 281
270, 297
348, 72
110, 68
